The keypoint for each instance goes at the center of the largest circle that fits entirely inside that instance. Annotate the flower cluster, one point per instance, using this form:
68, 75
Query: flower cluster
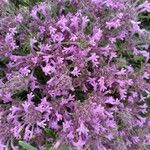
75, 73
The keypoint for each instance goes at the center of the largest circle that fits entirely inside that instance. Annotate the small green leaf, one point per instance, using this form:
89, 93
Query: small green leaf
63, 147
3, 62
21, 95
39, 74
37, 95
2, 74
82, 44
50, 132
138, 58
26, 146
55, 11
88, 28
103, 42
24, 50
34, 2
119, 45
69, 8
80, 95
48, 146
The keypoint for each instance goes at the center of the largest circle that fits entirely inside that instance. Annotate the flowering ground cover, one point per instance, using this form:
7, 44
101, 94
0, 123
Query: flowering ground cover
74, 75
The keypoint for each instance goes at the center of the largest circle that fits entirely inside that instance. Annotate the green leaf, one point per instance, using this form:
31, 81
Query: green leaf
24, 3
120, 45
54, 11
21, 95
63, 147
37, 95
3, 62
26, 146
88, 28
2, 74
138, 58
34, 2
39, 74
18, 3
23, 50
82, 44
69, 8
48, 146
80, 95
50, 132
103, 42
144, 18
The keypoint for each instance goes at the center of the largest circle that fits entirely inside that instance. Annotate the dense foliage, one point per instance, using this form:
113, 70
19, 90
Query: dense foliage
74, 74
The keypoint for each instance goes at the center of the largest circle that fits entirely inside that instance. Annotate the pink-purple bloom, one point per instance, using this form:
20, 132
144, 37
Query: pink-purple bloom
75, 73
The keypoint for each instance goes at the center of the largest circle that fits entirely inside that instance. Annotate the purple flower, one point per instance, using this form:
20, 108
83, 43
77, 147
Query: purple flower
24, 71
44, 47
113, 24
31, 120
82, 129
66, 77
102, 86
76, 72
10, 41
85, 20
136, 27
94, 59
19, 18
96, 37
93, 82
